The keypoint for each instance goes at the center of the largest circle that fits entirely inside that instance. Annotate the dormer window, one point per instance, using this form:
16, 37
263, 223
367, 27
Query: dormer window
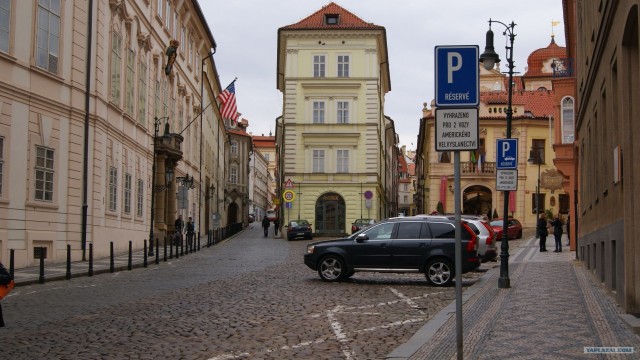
331, 19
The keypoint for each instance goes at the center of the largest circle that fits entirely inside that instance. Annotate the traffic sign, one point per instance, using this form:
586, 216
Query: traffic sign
288, 184
507, 180
457, 75
368, 194
456, 129
507, 154
288, 195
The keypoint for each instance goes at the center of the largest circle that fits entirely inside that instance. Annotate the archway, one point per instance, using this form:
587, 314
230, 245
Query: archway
232, 214
330, 214
477, 200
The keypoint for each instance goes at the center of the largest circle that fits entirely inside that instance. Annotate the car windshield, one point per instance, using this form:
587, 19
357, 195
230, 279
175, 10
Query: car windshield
299, 223
497, 223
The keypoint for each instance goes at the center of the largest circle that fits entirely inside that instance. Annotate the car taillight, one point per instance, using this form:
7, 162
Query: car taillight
354, 228
491, 233
472, 245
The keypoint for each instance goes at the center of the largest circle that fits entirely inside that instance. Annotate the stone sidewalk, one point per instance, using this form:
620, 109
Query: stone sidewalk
553, 310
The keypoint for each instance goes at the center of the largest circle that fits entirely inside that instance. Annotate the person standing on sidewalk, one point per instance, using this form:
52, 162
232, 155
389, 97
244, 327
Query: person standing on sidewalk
557, 233
5, 281
178, 224
542, 232
276, 225
191, 229
265, 225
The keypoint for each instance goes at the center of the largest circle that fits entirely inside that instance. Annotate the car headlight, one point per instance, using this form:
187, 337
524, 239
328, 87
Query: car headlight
310, 249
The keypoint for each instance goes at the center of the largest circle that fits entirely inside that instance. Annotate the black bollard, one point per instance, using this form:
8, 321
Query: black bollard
181, 247
68, 274
130, 263
112, 267
157, 252
166, 239
90, 259
165, 251
41, 278
11, 264
177, 249
198, 240
144, 261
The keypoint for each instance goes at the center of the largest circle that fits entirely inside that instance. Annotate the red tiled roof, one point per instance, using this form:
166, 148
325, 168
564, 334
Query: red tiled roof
346, 20
537, 103
536, 58
264, 141
238, 132
402, 164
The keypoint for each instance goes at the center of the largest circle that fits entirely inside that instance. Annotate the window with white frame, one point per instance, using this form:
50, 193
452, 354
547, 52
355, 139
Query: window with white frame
318, 112
183, 35
113, 188
318, 161
343, 112
167, 14
343, 65
44, 173
233, 175
319, 66
567, 120
127, 193
1, 163
142, 91
342, 161
48, 35
130, 81
140, 198
160, 7
116, 62
5, 24
234, 147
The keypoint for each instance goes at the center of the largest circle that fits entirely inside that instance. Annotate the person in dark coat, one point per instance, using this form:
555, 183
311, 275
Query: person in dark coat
265, 225
541, 227
557, 233
5, 279
276, 225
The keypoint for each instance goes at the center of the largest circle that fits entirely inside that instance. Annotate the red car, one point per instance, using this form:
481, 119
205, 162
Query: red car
514, 228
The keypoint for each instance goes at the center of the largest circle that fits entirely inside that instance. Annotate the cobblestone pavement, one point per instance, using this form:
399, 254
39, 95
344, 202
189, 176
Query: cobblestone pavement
553, 310
247, 298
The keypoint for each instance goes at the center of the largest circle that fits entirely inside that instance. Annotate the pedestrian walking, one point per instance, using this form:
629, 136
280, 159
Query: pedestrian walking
191, 230
541, 227
6, 285
276, 225
178, 225
265, 225
568, 230
557, 233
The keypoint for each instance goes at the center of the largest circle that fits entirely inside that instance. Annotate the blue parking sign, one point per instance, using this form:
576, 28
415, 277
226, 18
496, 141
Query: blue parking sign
506, 154
457, 75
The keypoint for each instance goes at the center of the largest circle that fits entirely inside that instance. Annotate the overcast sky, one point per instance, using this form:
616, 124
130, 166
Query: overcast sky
246, 34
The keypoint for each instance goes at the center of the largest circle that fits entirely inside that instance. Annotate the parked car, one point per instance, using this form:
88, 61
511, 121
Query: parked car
252, 218
486, 238
299, 228
514, 228
360, 224
423, 243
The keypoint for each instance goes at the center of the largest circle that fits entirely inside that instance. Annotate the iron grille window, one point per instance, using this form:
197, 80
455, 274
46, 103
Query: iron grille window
113, 188
39, 251
44, 174
127, 193
139, 198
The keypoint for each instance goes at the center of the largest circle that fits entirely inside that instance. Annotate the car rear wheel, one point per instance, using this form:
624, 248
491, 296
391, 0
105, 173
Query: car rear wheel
332, 268
439, 272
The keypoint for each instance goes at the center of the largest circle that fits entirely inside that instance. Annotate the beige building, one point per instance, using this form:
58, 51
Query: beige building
266, 145
78, 103
333, 140
607, 41
259, 182
533, 105
238, 170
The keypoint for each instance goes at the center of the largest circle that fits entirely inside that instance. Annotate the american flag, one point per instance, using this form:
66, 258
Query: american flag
227, 98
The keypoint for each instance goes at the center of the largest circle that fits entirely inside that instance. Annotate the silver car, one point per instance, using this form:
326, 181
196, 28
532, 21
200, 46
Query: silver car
486, 238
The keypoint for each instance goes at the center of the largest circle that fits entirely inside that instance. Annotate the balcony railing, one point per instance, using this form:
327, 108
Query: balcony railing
469, 168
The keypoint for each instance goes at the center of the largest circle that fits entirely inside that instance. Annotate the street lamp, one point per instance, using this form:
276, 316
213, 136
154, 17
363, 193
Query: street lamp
156, 189
488, 59
536, 158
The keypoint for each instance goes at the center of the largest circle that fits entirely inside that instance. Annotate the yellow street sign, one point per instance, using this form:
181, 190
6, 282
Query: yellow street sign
288, 195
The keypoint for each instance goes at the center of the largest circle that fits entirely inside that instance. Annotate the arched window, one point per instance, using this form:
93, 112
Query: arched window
568, 117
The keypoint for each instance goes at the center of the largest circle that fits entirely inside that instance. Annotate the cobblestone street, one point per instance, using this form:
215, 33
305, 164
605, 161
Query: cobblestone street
249, 297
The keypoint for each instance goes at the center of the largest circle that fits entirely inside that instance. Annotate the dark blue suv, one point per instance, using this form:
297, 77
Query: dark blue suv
422, 243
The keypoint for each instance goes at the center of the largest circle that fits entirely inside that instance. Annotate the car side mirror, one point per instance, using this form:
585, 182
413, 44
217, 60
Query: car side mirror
362, 238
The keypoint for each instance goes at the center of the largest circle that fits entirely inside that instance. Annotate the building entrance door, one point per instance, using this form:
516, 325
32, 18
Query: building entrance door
477, 200
330, 214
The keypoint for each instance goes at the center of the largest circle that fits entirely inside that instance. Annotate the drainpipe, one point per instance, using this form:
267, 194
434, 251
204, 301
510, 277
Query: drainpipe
85, 165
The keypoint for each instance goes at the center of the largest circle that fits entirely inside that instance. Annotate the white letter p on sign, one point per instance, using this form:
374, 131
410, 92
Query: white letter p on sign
505, 148
452, 68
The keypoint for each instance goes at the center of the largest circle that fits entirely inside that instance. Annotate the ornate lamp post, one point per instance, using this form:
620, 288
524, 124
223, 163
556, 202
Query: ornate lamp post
156, 189
535, 158
489, 58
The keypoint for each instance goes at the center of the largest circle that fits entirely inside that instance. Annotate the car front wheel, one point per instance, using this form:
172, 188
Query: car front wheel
439, 272
332, 268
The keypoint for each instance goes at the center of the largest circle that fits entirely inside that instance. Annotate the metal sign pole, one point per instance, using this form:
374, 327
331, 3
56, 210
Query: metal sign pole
458, 249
